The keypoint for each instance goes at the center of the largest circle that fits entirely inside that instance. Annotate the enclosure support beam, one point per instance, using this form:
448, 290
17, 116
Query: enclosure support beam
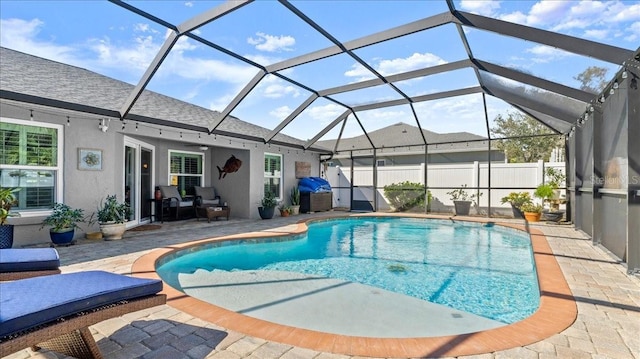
486, 121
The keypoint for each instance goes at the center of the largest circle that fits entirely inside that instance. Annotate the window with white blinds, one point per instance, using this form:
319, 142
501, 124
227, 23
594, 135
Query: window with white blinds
29, 154
185, 170
273, 174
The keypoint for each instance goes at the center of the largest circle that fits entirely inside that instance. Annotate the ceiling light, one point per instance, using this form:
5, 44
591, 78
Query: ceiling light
624, 74
612, 91
615, 85
203, 148
602, 98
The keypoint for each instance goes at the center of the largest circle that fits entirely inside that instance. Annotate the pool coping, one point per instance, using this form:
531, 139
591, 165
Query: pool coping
557, 309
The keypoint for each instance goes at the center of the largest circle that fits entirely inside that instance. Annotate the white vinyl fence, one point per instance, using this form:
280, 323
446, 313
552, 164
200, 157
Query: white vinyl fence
515, 177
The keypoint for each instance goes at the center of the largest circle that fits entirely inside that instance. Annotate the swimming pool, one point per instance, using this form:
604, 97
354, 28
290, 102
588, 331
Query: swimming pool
485, 270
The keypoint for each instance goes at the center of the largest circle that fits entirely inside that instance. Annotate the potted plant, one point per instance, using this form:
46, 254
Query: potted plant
295, 200
267, 205
63, 221
7, 200
532, 212
112, 217
462, 200
517, 200
285, 210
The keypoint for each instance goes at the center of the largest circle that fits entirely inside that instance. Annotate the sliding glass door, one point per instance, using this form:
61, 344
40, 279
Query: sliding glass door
138, 179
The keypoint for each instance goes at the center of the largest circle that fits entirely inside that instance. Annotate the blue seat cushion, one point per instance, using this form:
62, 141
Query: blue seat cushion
27, 303
28, 259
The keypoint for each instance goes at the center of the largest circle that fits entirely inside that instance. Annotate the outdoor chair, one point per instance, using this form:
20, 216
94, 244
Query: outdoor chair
177, 205
206, 196
20, 263
54, 312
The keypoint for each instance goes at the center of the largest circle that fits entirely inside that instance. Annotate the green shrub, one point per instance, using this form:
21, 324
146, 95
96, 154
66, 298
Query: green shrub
406, 195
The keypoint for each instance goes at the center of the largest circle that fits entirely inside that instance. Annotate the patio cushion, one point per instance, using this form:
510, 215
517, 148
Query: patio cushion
170, 191
207, 195
27, 303
28, 259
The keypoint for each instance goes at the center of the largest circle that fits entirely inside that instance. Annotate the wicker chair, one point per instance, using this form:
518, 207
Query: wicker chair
37, 314
177, 205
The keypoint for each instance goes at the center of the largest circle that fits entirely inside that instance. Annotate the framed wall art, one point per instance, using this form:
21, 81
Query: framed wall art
89, 159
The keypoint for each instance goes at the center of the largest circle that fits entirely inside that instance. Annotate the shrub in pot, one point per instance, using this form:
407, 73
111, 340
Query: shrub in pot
295, 200
285, 210
63, 221
532, 212
112, 217
462, 200
517, 200
267, 205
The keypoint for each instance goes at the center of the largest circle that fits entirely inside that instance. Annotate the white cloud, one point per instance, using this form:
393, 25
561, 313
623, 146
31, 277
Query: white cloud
281, 112
395, 66
279, 90
481, 7
514, 17
635, 32
597, 34
596, 20
324, 113
21, 35
271, 43
359, 72
188, 4
544, 54
413, 62
548, 12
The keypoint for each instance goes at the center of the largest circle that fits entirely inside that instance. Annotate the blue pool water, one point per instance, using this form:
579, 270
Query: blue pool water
485, 270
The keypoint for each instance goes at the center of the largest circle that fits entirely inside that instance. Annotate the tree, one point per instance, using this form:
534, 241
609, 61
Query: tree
593, 79
524, 149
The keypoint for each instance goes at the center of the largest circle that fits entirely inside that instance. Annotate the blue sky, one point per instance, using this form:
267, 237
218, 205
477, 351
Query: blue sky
112, 41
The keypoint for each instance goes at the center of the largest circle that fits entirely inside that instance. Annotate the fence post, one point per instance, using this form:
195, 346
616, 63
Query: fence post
475, 181
541, 171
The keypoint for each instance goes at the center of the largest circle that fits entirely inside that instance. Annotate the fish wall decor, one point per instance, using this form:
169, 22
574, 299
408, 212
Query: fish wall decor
232, 165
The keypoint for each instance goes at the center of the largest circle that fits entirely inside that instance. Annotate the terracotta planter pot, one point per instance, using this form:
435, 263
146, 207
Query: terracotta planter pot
532, 216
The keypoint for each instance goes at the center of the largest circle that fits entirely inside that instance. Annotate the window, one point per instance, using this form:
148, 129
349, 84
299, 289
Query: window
185, 170
381, 163
31, 160
273, 174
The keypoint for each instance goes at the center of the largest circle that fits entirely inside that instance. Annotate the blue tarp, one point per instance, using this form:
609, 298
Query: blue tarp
314, 185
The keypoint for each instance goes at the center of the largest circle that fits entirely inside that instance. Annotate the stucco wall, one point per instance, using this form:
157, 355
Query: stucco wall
85, 189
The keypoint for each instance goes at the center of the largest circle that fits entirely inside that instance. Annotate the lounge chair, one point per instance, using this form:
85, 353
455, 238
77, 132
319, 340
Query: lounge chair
55, 311
177, 205
20, 263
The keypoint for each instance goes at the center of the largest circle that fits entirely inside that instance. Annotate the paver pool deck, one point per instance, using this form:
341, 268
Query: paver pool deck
606, 326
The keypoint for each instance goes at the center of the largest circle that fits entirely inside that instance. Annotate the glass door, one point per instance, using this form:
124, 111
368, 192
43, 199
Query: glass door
138, 180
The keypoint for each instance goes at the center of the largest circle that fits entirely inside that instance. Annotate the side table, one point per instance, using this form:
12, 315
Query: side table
214, 212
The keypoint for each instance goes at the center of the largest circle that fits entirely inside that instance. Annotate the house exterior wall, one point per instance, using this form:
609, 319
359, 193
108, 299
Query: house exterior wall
85, 189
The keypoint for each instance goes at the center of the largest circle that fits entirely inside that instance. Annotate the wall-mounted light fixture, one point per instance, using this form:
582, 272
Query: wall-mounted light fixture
103, 125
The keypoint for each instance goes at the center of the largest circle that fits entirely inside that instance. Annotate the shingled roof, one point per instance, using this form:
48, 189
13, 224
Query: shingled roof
404, 135
28, 75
